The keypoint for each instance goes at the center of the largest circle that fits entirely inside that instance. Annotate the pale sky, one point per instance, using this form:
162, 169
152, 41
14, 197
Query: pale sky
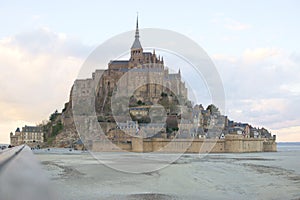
254, 45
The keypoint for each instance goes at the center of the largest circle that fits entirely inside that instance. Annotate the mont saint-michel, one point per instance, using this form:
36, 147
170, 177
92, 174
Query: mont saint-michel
183, 105
139, 105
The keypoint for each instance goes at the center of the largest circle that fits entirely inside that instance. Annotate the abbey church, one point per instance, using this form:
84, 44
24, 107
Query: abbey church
143, 76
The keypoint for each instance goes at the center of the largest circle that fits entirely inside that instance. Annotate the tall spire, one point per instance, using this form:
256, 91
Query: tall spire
136, 44
137, 33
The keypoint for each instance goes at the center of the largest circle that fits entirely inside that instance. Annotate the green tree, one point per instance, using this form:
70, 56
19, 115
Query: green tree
53, 116
57, 128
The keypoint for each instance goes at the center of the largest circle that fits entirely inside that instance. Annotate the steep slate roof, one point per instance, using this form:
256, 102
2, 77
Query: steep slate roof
118, 62
136, 44
31, 129
141, 70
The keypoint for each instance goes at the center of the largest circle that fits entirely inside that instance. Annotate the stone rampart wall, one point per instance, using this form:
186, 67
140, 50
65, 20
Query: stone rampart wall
231, 144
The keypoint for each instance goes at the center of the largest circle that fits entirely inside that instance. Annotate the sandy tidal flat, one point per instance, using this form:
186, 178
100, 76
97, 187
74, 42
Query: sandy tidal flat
215, 176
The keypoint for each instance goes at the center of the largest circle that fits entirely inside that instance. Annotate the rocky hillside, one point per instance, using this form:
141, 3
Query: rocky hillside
60, 131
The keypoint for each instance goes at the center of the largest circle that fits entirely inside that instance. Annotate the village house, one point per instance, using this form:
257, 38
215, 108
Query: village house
30, 135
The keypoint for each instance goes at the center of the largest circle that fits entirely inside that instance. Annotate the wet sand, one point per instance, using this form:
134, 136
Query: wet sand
216, 176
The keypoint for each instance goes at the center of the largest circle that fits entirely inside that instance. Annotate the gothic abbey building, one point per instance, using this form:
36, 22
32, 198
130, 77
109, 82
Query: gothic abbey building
143, 78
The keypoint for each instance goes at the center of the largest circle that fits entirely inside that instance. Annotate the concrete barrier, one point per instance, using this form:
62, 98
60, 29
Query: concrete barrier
9, 154
21, 176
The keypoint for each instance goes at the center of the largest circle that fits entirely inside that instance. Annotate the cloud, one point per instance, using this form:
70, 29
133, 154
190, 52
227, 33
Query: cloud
292, 88
235, 25
262, 87
223, 57
260, 72
37, 71
36, 17
230, 24
288, 134
259, 54
46, 41
9, 126
268, 112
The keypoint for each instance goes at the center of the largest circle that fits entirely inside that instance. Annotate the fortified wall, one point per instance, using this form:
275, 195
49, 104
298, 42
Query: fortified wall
231, 144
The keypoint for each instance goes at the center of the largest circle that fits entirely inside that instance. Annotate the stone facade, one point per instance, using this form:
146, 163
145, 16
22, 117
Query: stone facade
30, 135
